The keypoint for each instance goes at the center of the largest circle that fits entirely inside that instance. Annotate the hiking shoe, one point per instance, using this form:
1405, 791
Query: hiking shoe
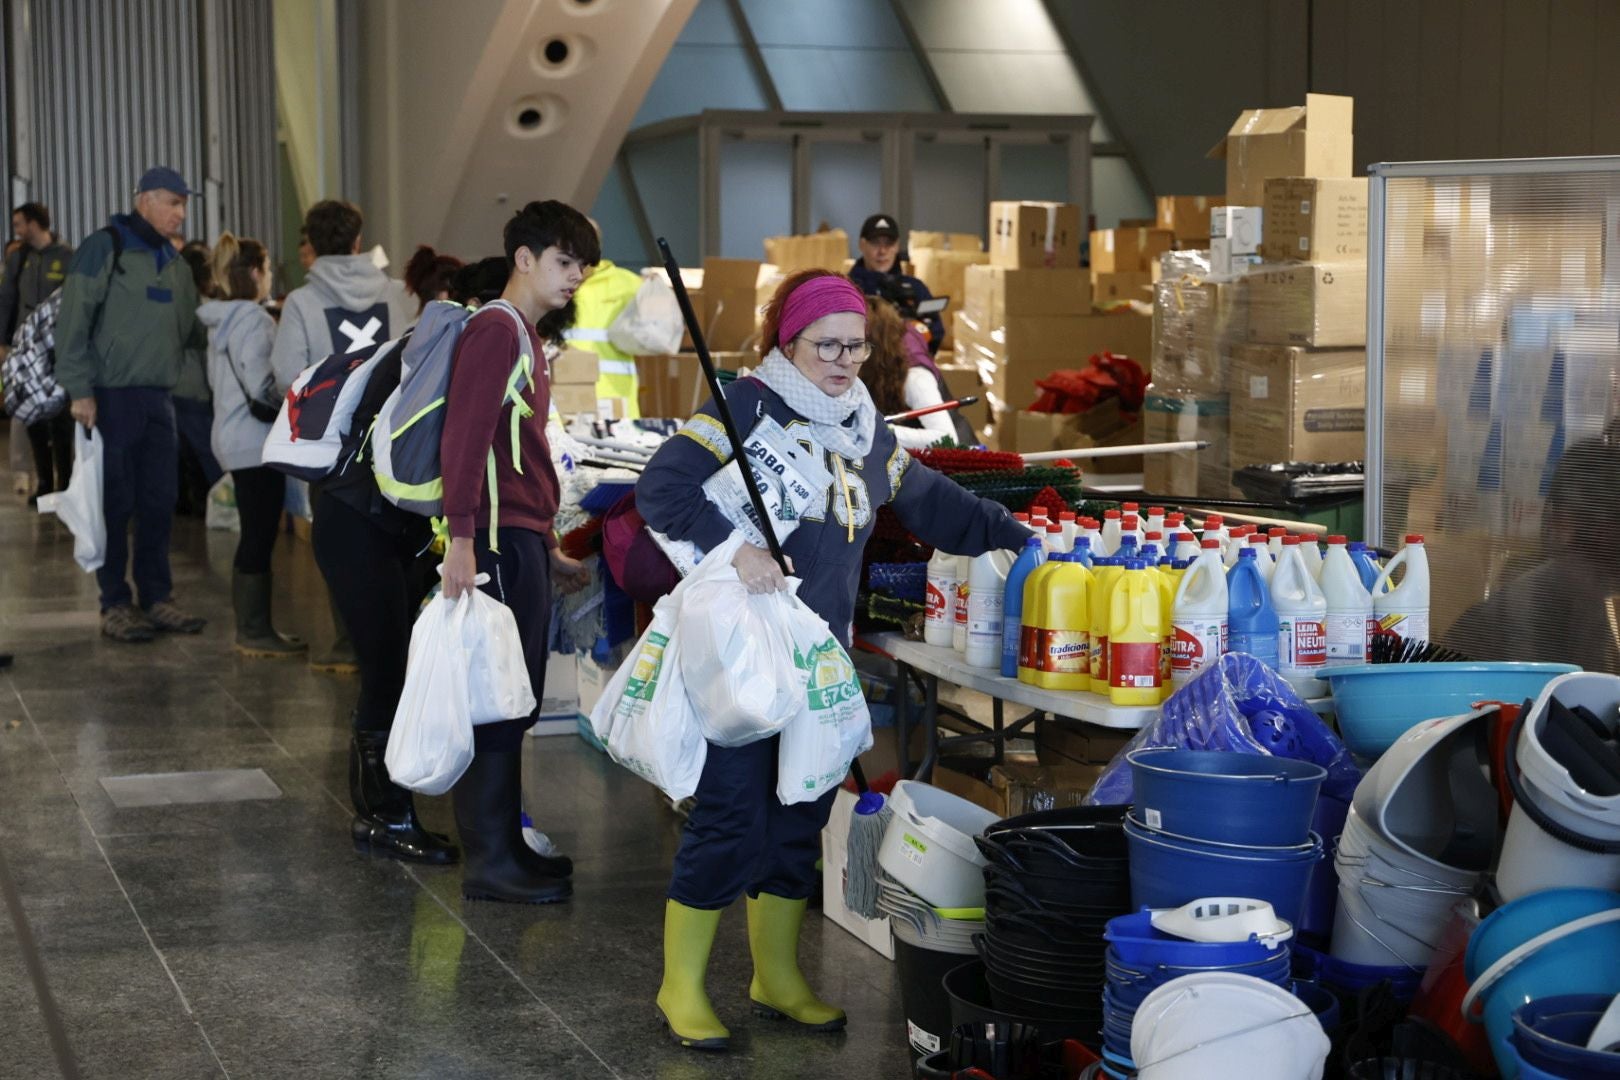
125, 623
165, 616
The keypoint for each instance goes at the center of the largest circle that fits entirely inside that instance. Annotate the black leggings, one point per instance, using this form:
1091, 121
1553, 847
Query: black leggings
261, 493
52, 443
377, 581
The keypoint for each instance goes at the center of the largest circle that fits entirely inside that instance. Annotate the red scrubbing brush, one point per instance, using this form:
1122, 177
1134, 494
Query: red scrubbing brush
1049, 498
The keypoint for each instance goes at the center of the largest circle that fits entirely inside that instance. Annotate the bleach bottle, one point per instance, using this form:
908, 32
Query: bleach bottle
1131, 527
1071, 529
941, 599
1261, 546
1185, 548
1059, 601
1156, 519
1135, 636
1198, 615
1311, 552
1251, 620
1054, 539
1091, 529
1012, 611
1350, 622
987, 593
1105, 572
1170, 574
1110, 533
1274, 542
1301, 618
1082, 552
1366, 563
1404, 609
959, 610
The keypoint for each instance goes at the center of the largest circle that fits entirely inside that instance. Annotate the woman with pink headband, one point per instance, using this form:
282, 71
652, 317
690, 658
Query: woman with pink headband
739, 839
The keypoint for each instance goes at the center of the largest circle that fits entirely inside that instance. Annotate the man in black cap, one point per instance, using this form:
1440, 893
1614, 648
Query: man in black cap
129, 306
877, 272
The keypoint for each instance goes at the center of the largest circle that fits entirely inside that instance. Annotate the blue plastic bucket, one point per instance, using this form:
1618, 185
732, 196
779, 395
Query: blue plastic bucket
1576, 961
1170, 872
1225, 796
1137, 942
1322, 895
1316, 966
1323, 1002
1550, 1033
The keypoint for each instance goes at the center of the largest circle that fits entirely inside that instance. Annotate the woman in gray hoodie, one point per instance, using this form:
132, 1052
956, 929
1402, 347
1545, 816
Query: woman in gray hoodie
240, 336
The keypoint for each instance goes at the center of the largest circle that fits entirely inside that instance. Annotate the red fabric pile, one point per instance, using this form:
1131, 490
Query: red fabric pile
1054, 503
1108, 376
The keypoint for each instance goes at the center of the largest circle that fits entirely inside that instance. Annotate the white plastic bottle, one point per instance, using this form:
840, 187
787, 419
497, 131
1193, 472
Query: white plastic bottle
1198, 614
940, 616
1311, 551
1215, 526
1404, 609
1054, 539
1274, 542
1155, 520
1301, 623
1175, 523
1023, 519
959, 609
1091, 529
1185, 547
1262, 554
1071, 528
1349, 606
1110, 533
987, 590
1131, 526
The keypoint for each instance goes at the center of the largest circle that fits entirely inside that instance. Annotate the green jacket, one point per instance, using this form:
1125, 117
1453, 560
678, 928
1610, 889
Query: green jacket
26, 279
125, 325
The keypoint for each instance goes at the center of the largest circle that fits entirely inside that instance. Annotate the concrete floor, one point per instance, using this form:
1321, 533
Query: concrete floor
247, 939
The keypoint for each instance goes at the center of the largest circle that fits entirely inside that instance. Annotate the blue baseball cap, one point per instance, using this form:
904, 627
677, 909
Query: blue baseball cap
162, 178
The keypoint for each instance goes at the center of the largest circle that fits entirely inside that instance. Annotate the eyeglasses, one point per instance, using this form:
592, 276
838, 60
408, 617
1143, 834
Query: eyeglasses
831, 350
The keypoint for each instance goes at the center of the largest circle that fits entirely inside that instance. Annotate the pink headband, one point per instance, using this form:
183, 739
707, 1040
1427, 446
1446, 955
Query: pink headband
815, 299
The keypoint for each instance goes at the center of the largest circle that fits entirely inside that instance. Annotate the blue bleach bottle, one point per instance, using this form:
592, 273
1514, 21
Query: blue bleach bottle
1252, 623
1082, 551
1012, 612
1366, 564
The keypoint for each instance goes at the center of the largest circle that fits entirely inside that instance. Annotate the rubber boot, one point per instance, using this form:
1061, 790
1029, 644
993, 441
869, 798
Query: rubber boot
683, 1003
778, 990
339, 659
488, 800
255, 634
385, 821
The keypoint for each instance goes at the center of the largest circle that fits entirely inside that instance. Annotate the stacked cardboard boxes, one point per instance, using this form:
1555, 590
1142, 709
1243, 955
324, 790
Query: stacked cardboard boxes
940, 261
827, 250
730, 308
1122, 262
1187, 217
573, 386
673, 386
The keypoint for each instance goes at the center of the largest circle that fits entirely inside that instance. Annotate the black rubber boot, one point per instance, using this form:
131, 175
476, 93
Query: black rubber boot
385, 820
498, 865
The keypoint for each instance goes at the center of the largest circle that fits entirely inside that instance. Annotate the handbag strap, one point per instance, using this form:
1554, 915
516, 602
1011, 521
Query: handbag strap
230, 363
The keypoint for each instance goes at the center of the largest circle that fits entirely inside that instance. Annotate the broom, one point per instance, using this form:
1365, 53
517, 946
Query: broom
871, 816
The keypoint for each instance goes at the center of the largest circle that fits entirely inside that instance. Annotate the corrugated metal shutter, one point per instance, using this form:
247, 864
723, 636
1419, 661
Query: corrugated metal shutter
252, 195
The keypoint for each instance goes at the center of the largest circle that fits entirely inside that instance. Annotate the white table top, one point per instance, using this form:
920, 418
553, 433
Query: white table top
948, 664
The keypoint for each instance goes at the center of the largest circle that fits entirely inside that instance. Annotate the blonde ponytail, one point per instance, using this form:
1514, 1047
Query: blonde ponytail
235, 259
225, 253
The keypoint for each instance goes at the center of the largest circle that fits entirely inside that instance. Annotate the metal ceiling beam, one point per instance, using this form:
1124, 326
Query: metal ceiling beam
756, 59
909, 29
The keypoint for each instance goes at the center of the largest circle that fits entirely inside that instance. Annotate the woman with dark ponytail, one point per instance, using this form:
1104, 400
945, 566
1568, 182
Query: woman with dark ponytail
428, 274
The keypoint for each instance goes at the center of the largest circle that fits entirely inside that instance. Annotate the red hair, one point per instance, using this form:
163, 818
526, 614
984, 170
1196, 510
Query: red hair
772, 324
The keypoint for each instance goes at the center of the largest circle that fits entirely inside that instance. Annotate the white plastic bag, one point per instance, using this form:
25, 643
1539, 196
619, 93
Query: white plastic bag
497, 675
832, 728
650, 324
221, 513
79, 505
738, 652
431, 743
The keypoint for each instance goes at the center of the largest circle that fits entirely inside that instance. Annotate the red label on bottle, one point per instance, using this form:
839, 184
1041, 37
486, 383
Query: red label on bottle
962, 603
1133, 664
1029, 646
936, 603
1099, 658
1310, 643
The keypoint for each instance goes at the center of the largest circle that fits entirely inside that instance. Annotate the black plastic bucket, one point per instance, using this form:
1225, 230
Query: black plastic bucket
923, 999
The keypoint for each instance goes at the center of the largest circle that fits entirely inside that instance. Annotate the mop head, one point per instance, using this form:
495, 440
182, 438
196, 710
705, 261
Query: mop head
866, 828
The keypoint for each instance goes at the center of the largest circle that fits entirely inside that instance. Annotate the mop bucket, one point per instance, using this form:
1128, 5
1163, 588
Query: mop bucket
1559, 835
1563, 941
928, 846
1225, 796
1550, 1037
1197, 1026
1168, 870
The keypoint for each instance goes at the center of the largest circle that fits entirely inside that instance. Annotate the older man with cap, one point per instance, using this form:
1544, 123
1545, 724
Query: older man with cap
877, 272
129, 306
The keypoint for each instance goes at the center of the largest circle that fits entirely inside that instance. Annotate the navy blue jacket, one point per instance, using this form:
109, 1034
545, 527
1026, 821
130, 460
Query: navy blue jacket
871, 282
933, 506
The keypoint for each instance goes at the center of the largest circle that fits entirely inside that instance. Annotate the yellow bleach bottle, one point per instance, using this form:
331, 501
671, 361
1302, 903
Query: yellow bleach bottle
1136, 629
1169, 581
1060, 652
1032, 632
1105, 572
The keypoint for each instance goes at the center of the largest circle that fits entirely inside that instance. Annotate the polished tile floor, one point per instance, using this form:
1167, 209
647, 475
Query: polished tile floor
246, 939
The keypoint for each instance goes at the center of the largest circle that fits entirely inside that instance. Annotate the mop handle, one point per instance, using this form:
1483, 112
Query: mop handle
720, 406
960, 403
1116, 451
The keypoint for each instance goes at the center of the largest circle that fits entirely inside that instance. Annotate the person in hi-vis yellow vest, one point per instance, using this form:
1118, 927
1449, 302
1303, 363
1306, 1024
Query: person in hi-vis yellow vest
597, 303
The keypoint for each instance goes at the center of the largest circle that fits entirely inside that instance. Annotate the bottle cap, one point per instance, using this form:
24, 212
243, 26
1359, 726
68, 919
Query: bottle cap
1246, 553
1189, 537
1111, 515
1131, 508
1213, 521
1290, 541
1033, 542
1066, 515
1132, 522
1082, 542
1179, 564
1155, 511
1414, 538
1358, 545
1336, 539
1258, 539
1155, 536
1276, 532
1054, 529
1021, 517
1175, 519
1037, 511
1135, 564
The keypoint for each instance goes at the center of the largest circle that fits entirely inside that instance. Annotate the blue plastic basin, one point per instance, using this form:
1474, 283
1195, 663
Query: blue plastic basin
1550, 1034
1225, 796
1378, 703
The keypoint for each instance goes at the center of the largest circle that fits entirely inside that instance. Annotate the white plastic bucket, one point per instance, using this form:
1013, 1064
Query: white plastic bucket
1392, 905
1531, 859
928, 846
1197, 1026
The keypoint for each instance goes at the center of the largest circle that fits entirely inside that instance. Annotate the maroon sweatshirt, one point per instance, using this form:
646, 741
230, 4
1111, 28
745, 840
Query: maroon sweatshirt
477, 418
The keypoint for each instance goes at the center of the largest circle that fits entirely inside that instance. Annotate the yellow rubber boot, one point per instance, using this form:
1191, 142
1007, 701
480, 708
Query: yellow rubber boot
778, 990
683, 1004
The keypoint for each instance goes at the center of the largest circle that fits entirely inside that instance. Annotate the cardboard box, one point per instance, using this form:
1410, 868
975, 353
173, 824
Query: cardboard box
943, 271
1119, 286
993, 294
1104, 425
1023, 788
673, 386
1060, 742
874, 933
1178, 417
730, 311
1314, 139
1030, 235
1295, 404
1128, 249
1323, 306
976, 791
1030, 347
1194, 325
816, 251
1234, 239
1187, 216
577, 366
572, 399
919, 240
1316, 219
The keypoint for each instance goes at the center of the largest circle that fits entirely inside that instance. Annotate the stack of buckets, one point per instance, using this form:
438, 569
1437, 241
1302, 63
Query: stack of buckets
1141, 958
1222, 823
1421, 833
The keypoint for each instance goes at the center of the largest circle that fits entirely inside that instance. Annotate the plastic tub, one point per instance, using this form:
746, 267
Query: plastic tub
1225, 796
1135, 941
1550, 1034
928, 846
926, 1006
1315, 966
1196, 1027
1377, 703
1167, 872
1553, 943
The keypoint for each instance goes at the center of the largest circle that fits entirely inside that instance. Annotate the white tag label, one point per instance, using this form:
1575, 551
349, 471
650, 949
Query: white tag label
1304, 206
1304, 243
1155, 820
922, 1041
1260, 386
